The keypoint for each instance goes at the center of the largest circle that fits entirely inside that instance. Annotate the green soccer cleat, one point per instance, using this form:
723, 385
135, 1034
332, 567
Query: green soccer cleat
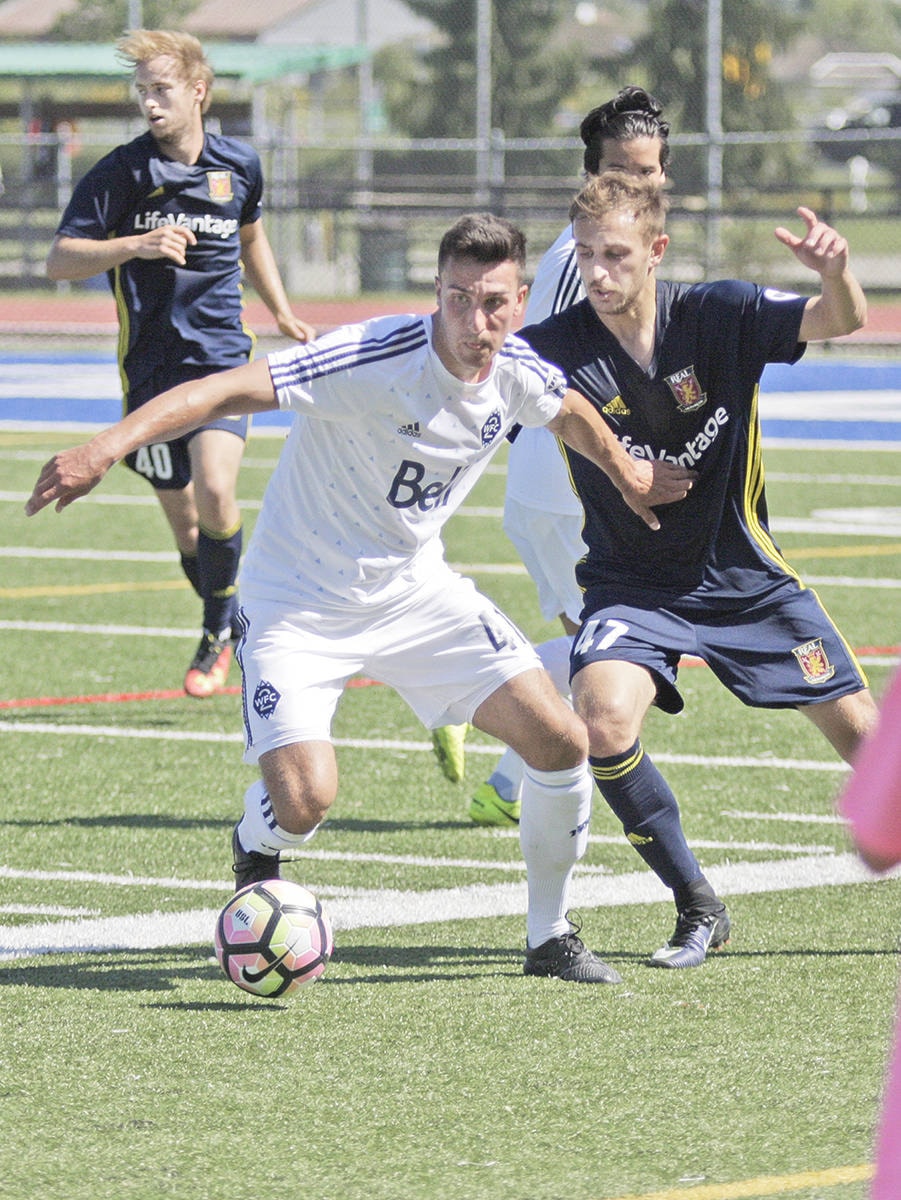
487, 807
449, 744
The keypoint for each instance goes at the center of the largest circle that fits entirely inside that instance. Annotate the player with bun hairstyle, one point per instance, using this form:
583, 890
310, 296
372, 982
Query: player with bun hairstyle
542, 515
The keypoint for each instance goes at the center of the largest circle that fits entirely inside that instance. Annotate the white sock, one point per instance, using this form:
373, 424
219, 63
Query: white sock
506, 778
258, 829
553, 835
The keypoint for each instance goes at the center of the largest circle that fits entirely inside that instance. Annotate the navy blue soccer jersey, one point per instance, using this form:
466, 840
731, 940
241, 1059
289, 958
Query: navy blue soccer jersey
170, 316
697, 405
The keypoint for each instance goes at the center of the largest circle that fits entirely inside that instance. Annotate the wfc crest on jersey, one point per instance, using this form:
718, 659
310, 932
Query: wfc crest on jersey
686, 389
814, 662
220, 185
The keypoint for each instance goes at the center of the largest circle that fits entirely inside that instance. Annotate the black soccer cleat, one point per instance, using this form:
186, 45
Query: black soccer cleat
250, 866
695, 935
568, 958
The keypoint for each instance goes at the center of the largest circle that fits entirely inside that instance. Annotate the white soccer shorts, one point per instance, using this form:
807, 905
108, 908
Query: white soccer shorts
550, 545
445, 650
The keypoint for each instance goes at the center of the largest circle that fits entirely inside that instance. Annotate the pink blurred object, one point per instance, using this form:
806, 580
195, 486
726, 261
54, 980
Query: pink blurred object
872, 804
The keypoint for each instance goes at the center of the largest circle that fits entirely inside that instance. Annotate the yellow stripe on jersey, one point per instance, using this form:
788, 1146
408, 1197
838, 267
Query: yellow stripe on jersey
754, 482
124, 331
753, 490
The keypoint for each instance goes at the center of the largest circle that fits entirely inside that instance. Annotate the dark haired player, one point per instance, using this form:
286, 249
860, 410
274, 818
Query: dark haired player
171, 217
627, 133
674, 370
345, 571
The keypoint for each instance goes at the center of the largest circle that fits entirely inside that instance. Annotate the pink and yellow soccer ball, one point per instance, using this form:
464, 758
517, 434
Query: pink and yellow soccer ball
273, 938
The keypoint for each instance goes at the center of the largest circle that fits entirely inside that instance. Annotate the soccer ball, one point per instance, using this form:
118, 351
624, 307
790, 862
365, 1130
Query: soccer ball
273, 938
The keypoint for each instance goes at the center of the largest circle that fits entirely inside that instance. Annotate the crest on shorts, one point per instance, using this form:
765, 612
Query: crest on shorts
686, 389
220, 185
814, 662
265, 699
491, 428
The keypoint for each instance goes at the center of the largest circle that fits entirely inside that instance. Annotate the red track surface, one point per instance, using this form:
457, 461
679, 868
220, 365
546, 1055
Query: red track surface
359, 681
95, 313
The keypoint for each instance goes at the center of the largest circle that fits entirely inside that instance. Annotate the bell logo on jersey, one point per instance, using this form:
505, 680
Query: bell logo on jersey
814, 662
407, 490
220, 185
685, 387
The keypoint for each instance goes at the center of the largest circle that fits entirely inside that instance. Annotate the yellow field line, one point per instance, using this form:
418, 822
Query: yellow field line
91, 589
766, 1185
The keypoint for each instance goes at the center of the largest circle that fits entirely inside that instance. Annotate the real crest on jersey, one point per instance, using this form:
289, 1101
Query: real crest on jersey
814, 662
220, 185
686, 389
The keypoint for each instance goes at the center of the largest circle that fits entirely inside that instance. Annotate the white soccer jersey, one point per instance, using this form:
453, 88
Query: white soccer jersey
537, 475
387, 445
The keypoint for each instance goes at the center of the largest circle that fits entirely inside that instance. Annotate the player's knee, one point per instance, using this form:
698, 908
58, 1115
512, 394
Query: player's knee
612, 726
565, 746
301, 787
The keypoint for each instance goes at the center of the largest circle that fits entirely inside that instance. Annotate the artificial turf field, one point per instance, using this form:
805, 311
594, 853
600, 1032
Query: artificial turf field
424, 1066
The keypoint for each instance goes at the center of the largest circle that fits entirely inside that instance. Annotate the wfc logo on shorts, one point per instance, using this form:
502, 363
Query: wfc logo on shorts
408, 490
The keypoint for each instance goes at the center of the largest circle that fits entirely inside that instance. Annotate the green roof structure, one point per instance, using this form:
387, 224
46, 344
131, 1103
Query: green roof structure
251, 62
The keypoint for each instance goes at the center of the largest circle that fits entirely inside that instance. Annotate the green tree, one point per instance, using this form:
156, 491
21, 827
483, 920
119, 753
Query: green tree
435, 96
672, 56
105, 20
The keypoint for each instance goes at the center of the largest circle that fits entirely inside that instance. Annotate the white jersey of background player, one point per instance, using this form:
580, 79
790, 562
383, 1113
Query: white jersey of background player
545, 522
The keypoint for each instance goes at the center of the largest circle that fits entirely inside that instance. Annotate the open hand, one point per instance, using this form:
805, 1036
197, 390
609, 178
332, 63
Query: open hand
822, 248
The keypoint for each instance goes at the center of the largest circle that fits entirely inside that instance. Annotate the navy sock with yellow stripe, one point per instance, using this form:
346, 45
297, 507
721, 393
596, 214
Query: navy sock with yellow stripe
644, 802
218, 558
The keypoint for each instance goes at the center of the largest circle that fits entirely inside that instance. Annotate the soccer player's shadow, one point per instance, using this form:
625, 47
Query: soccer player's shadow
162, 970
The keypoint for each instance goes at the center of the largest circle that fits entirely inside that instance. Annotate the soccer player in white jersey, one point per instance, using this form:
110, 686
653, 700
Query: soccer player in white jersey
627, 133
345, 571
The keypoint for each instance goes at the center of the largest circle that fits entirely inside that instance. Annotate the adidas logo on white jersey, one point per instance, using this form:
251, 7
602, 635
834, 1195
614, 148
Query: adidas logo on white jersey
411, 430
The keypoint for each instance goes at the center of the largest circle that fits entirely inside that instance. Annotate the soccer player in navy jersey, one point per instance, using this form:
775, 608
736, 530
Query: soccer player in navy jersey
626, 133
171, 217
674, 370
345, 571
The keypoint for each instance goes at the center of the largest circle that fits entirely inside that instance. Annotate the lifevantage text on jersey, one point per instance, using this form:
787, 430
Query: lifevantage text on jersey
221, 227
694, 448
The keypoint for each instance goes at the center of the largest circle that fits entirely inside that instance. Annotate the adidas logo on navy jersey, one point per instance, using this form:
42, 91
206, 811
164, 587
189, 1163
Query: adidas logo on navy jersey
411, 430
617, 408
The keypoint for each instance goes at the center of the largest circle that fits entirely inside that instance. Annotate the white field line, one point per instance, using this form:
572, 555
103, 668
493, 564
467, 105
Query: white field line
392, 907
885, 526
604, 839
184, 735
171, 558
799, 818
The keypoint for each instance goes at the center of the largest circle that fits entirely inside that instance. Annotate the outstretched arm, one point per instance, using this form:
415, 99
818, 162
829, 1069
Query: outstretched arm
841, 306
641, 482
262, 273
73, 473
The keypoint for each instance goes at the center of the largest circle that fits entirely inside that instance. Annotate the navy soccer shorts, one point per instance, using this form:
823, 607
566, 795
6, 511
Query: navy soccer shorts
778, 650
167, 465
